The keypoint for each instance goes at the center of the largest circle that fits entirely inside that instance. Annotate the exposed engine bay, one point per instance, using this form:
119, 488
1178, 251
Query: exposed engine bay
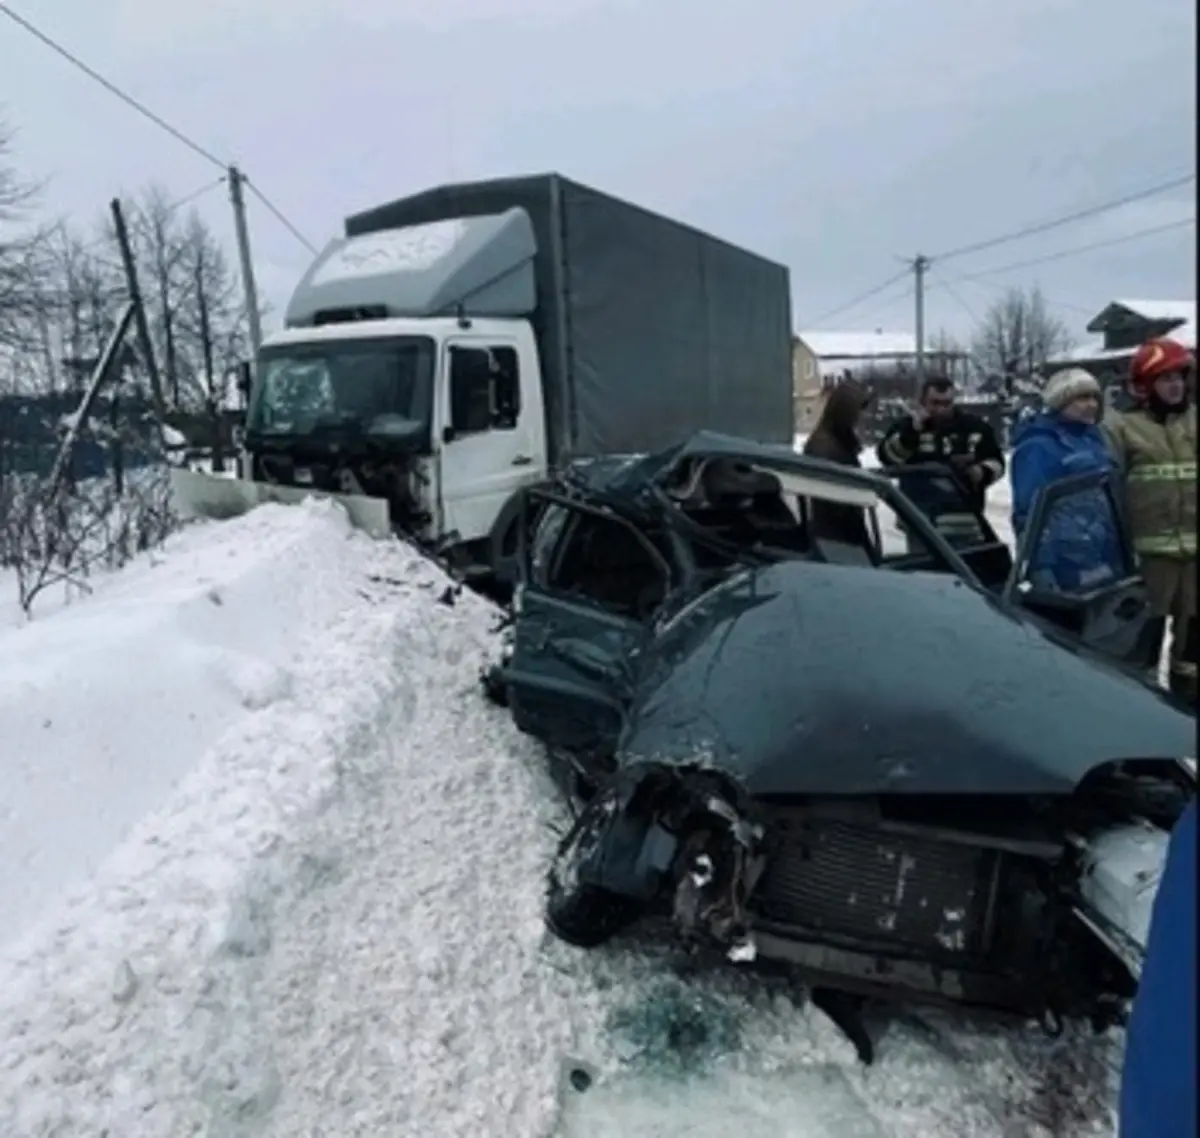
984, 902
395, 480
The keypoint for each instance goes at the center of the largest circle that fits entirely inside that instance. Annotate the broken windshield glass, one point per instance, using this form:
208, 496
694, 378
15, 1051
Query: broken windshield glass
303, 388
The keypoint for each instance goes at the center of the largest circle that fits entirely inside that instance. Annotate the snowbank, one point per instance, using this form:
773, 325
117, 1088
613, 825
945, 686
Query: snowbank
333, 928
107, 703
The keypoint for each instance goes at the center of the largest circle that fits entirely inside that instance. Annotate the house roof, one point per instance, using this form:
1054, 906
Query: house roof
1178, 311
858, 345
1185, 333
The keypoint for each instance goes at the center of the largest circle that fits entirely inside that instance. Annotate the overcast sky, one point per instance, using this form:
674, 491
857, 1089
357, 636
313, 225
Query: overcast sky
835, 137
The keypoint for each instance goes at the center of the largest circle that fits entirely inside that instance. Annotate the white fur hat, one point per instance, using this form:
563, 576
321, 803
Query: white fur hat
1071, 383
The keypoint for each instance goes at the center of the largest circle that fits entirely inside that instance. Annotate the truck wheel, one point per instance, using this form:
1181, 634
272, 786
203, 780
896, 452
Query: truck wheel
578, 913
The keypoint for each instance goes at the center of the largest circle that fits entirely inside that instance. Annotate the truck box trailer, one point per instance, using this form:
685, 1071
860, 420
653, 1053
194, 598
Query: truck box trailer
458, 345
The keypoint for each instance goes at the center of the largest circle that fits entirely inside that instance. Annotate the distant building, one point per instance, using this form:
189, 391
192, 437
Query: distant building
1124, 325
886, 361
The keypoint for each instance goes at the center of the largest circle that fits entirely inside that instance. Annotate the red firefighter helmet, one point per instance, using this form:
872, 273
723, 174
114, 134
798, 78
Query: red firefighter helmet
1154, 359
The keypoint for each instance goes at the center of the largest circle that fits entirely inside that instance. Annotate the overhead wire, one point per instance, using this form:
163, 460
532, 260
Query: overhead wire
143, 110
110, 86
943, 282
1031, 262
172, 208
280, 217
1078, 250
863, 297
1067, 219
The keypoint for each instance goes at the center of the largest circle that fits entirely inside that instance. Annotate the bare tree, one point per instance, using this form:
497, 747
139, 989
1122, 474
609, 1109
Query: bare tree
1018, 335
60, 299
211, 316
160, 251
20, 251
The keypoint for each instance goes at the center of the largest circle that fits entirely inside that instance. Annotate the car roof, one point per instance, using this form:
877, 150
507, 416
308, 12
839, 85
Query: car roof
626, 474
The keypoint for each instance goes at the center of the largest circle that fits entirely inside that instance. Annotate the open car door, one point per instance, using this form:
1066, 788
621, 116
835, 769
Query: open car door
590, 585
942, 496
1075, 567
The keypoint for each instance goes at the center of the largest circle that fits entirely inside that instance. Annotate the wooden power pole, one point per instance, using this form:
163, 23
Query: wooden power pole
240, 228
139, 314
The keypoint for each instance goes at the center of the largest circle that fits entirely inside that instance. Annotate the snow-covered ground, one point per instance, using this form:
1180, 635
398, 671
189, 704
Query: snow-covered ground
106, 704
319, 912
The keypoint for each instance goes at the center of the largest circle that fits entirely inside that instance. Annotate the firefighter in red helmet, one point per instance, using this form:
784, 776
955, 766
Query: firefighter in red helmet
1155, 447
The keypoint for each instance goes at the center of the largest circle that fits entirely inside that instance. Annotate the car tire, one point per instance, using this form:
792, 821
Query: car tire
578, 913
586, 917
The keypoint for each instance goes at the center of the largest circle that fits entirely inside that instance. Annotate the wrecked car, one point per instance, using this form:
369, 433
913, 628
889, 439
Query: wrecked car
873, 754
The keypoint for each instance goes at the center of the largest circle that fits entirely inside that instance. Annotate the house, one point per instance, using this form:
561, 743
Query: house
887, 361
1124, 325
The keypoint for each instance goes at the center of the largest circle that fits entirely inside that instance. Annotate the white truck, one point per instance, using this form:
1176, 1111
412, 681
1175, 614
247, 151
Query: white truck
457, 346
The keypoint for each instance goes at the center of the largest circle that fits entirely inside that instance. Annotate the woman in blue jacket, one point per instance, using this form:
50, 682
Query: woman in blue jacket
1158, 1085
1079, 548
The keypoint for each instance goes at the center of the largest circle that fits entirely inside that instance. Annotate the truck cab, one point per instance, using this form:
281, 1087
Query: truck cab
459, 345
442, 418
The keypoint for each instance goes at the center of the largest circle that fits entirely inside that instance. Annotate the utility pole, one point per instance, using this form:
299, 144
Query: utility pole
215, 405
920, 266
139, 313
238, 200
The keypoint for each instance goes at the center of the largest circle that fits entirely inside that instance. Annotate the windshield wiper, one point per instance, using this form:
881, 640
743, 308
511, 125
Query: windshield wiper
323, 427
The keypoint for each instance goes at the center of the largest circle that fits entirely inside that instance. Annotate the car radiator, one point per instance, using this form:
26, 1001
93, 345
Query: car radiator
872, 886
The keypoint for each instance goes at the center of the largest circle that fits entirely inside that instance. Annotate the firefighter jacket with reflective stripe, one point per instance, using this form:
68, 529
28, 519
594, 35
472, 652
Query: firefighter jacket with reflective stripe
961, 435
1158, 459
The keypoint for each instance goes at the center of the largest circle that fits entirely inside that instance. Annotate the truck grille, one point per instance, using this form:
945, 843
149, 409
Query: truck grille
871, 885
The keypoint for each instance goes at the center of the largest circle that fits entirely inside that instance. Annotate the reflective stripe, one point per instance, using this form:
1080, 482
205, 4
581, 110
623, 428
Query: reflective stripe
1184, 668
1163, 472
1171, 545
896, 450
994, 465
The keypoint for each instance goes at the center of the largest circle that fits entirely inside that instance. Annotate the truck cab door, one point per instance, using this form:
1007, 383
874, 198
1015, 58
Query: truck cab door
1075, 568
491, 444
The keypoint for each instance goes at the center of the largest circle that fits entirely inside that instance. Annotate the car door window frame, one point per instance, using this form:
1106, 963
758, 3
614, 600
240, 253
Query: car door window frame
540, 578
1018, 586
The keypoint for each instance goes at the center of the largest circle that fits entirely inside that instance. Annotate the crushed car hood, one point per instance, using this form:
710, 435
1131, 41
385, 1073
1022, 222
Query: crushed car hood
803, 678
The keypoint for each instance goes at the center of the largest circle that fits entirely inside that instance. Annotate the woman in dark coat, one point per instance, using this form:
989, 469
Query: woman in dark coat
835, 439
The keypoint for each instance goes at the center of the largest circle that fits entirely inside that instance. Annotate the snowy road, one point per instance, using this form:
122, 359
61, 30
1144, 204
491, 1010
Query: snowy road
333, 928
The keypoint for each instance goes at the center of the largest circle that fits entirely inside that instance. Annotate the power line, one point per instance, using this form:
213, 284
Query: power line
1066, 219
172, 208
957, 297
275, 212
861, 298
146, 113
999, 286
1077, 250
187, 199
111, 87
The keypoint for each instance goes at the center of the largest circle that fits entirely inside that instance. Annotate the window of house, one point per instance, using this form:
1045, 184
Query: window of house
485, 389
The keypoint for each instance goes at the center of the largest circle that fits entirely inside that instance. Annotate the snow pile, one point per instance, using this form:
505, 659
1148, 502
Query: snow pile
335, 921
334, 925
106, 704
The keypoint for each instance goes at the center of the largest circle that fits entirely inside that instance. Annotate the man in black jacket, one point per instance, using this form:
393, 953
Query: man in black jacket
940, 432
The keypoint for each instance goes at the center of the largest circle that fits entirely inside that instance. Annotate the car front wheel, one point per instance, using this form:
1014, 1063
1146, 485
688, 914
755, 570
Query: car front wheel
581, 914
